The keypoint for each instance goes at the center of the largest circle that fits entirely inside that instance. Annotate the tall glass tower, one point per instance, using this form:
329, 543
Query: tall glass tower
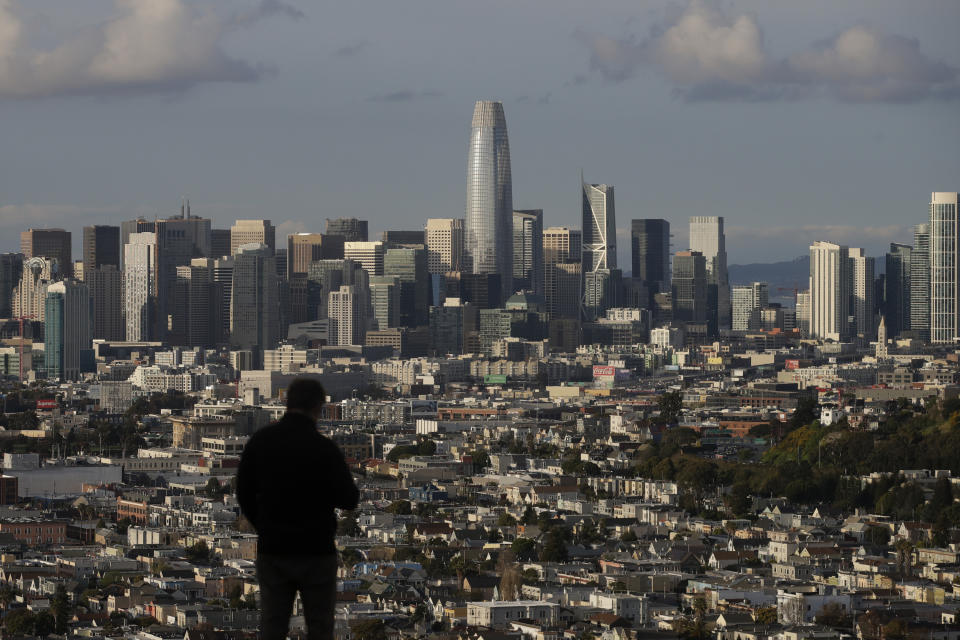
488, 242
944, 281
599, 227
707, 237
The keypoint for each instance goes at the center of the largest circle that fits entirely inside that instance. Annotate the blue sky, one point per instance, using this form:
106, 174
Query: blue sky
796, 121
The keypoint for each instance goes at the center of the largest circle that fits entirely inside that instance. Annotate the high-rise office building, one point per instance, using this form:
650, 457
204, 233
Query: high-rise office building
707, 237
329, 275
488, 242
528, 250
66, 329
140, 272
385, 301
650, 244
196, 306
255, 299
861, 289
410, 268
401, 238
599, 227
252, 232
223, 280
101, 246
562, 248
602, 290
30, 294
304, 248
350, 229
689, 287
368, 254
449, 324
444, 238
219, 243
746, 301
920, 282
830, 291
49, 243
802, 312
348, 316
105, 286
896, 298
11, 271
944, 278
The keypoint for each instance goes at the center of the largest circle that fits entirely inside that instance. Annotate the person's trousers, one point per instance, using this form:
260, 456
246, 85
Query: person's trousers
281, 577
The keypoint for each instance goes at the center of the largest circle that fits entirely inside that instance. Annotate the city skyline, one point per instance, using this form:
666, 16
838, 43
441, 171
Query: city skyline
613, 112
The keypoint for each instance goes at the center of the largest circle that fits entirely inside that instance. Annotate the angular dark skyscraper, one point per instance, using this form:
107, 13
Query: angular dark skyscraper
650, 244
488, 242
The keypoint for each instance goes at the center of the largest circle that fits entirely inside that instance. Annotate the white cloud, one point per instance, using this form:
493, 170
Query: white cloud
705, 46
707, 55
146, 46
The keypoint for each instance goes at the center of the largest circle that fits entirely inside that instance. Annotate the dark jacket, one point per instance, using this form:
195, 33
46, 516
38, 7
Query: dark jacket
289, 482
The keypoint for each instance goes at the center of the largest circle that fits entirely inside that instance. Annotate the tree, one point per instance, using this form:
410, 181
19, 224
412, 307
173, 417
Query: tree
555, 548
833, 615
524, 549
348, 525
400, 508
198, 553
670, 405
510, 577
529, 515
60, 607
213, 488
369, 630
426, 448
767, 615
506, 520
19, 622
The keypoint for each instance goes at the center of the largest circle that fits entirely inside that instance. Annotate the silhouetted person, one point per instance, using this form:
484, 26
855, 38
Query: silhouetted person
289, 482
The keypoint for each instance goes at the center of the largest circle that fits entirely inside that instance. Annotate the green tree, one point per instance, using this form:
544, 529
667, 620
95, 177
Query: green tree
766, 615
61, 609
670, 405
369, 630
400, 507
506, 520
198, 553
348, 525
20, 622
555, 547
524, 549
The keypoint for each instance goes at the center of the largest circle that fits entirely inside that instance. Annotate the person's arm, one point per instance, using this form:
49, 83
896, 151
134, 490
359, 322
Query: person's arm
345, 492
247, 484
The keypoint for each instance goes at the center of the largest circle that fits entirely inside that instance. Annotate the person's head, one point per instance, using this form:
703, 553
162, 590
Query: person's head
306, 396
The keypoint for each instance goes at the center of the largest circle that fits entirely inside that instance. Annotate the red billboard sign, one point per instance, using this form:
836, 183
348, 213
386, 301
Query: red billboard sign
46, 404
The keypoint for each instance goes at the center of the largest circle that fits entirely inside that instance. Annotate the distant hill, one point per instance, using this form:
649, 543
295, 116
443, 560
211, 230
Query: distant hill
786, 275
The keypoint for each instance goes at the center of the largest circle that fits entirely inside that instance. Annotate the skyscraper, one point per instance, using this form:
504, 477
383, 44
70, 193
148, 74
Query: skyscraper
707, 237
599, 227
101, 246
368, 254
351, 229
49, 243
11, 270
255, 299
252, 232
562, 271
650, 245
488, 243
140, 286
746, 303
30, 294
528, 250
66, 328
944, 280
410, 268
689, 287
920, 282
304, 248
896, 304
105, 286
861, 274
348, 316
444, 237
830, 282
219, 243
